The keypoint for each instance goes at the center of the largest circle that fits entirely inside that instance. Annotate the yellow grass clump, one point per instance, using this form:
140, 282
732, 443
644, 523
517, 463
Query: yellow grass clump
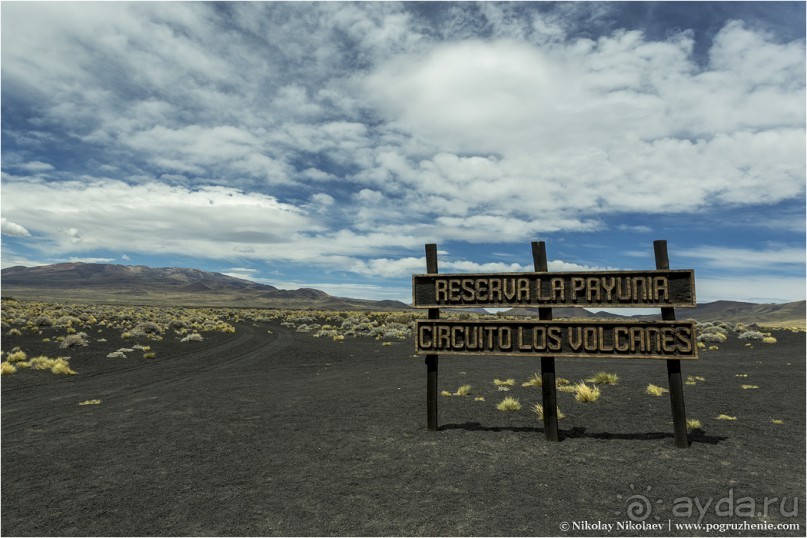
6, 368
769, 340
445, 393
509, 404
16, 356
777, 421
479, 399
586, 393
562, 381
567, 388
538, 409
748, 387
603, 378
713, 348
505, 383
694, 424
90, 402
464, 390
535, 380
725, 417
655, 390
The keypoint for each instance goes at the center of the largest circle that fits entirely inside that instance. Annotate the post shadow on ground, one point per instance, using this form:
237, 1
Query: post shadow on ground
695, 436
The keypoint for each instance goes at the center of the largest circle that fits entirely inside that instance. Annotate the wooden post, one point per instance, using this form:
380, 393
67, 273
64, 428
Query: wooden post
431, 360
547, 363
673, 365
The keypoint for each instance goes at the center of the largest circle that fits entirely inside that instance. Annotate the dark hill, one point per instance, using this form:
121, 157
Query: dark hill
95, 282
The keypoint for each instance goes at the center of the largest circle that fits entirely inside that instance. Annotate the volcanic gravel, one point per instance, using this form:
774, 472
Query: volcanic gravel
259, 433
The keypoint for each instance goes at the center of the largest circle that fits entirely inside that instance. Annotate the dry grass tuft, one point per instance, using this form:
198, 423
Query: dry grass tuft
740, 375
713, 348
538, 409
16, 356
90, 402
509, 404
6, 368
694, 424
777, 421
506, 383
60, 366
464, 390
562, 381
586, 394
566, 388
725, 417
535, 380
445, 393
479, 399
655, 390
769, 340
603, 378
748, 387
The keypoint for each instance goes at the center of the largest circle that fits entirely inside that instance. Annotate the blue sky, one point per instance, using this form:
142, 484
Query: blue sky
322, 144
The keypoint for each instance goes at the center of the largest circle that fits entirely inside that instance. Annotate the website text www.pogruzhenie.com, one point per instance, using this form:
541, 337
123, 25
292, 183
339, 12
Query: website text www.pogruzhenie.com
671, 526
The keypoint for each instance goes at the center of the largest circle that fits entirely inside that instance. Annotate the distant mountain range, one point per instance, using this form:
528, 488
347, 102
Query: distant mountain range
729, 311
138, 284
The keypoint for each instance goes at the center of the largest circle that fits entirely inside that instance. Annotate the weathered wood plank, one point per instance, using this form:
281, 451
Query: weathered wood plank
562, 338
615, 289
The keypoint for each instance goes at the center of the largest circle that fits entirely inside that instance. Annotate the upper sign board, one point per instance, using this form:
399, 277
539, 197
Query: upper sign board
614, 289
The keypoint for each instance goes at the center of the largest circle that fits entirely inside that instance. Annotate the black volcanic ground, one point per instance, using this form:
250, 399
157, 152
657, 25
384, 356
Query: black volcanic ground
259, 433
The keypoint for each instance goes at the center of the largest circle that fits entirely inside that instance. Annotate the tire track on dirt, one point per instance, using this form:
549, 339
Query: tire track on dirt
122, 387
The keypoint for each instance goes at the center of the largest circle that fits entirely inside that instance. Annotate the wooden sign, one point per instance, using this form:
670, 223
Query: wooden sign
593, 339
615, 289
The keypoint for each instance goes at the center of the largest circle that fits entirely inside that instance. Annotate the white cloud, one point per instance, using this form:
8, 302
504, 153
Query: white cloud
13, 229
746, 258
35, 166
74, 259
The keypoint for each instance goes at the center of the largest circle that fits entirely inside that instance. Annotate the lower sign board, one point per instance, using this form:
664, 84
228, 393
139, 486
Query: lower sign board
591, 339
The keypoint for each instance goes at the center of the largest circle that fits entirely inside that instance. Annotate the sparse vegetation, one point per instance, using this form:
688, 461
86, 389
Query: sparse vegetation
504, 383
538, 409
694, 424
749, 387
655, 390
585, 394
603, 378
90, 402
535, 380
464, 390
777, 421
445, 393
509, 404
6, 368
193, 337
725, 417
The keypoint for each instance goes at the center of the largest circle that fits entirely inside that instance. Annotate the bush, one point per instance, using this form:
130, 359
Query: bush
538, 409
464, 390
603, 378
43, 321
74, 340
586, 393
6, 368
193, 337
509, 404
535, 380
751, 335
655, 390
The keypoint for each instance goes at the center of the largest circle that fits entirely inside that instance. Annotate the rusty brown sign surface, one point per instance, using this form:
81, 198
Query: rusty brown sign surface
591, 339
615, 289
